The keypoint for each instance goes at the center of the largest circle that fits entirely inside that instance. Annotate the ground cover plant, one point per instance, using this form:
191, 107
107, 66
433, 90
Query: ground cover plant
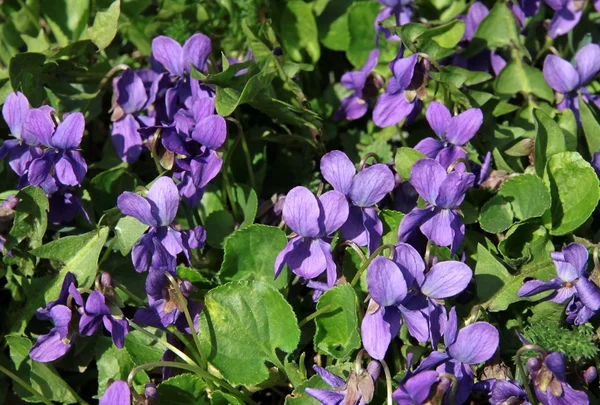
299, 202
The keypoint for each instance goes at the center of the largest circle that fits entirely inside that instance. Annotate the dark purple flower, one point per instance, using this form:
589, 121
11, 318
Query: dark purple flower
502, 392
444, 192
64, 207
364, 189
402, 11
165, 307
400, 99
359, 388
453, 133
58, 341
568, 81
571, 268
567, 14
424, 387
159, 247
577, 313
355, 105
61, 161
468, 346
550, 381
96, 312
68, 288
314, 220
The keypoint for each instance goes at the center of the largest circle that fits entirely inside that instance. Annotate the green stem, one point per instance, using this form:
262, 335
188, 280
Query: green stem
129, 293
365, 264
166, 344
107, 252
246, 151
366, 157
314, 315
185, 342
388, 381
174, 364
454, 385
28, 387
354, 247
229, 192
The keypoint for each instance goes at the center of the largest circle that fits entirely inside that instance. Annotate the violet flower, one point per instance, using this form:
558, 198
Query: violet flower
359, 388
62, 157
569, 82
424, 387
355, 105
550, 381
522, 9
96, 312
577, 313
314, 220
364, 189
400, 99
165, 307
23, 149
567, 14
444, 192
503, 392
68, 288
453, 133
468, 346
158, 248
119, 393
571, 268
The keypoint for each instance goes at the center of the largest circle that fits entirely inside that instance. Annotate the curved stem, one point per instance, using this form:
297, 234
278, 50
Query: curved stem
354, 247
358, 360
314, 315
366, 263
366, 157
174, 364
523, 349
388, 381
457, 161
454, 385
24, 384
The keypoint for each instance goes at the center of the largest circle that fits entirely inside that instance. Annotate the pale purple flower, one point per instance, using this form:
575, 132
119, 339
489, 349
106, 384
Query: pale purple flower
570, 81
158, 248
444, 192
119, 393
364, 190
577, 313
550, 381
471, 345
96, 312
502, 392
314, 220
571, 270
400, 99
453, 133
423, 387
355, 105
567, 14
358, 389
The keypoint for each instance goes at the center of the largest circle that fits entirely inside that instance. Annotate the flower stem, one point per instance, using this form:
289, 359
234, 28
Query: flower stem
454, 385
129, 293
108, 251
166, 344
246, 151
354, 247
366, 263
314, 315
185, 342
456, 162
388, 381
532, 398
24, 384
366, 157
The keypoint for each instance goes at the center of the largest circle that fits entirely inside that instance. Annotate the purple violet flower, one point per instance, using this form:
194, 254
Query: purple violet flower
119, 393
96, 312
359, 388
363, 189
355, 105
503, 392
571, 268
453, 133
400, 99
567, 14
569, 82
550, 381
314, 220
444, 192
158, 248
424, 387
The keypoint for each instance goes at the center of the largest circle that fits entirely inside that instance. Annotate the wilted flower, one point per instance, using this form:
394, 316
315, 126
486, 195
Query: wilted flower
314, 220
359, 388
364, 189
444, 192
453, 132
550, 381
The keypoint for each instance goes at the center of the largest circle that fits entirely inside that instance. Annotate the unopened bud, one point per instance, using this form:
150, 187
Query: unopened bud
590, 374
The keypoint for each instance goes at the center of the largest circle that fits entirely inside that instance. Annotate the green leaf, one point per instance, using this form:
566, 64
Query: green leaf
41, 376
104, 29
128, 232
299, 33
517, 77
25, 73
405, 159
242, 326
447, 35
67, 18
361, 23
496, 30
496, 215
471, 77
228, 98
574, 189
526, 242
549, 140
391, 222
182, 389
144, 349
109, 185
114, 363
497, 288
337, 329
250, 253
590, 125
527, 195
30, 218
247, 202
219, 225
221, 398
334, 32
568, 124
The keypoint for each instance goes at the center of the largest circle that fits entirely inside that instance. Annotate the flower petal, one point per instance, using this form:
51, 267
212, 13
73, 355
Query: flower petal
330, 378
117, 393
49, 347
211, 131
451, 154
131, 92
39, 169
564, 20
430, 147
464, 126
379, 329
306, 258
476, 14
351, 108
14, 111
169, 53
371, 184
560, 74
280, 260
427, 176
587, 61
38, 127
446, 279
69, 132
205, 167
440, 227
403, 69
126, 138
391, 108
451, 328
438, 116
412, 221
589, 293
475, 343
326, 397
338, 170
533, 287
136, 206
373, 229
196, 50
577, 255
301, 212
386, 283
164, 200
335, 210
410, 262
453, 188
